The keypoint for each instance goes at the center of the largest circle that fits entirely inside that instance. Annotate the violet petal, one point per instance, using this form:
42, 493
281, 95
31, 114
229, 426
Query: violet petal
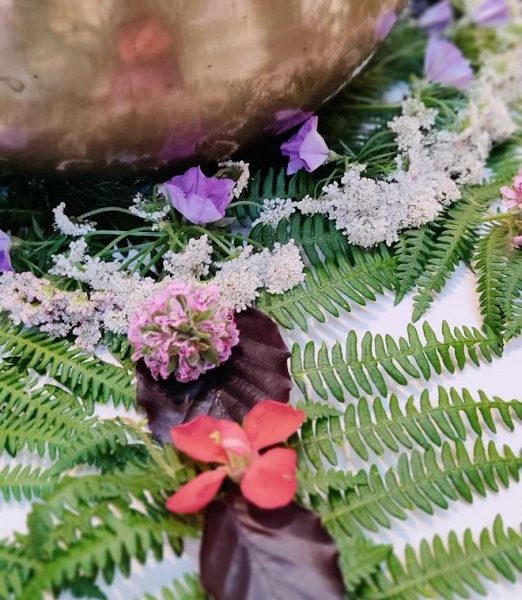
491, 13
446, 64
437, 18
306, 149
5, 258
200, 199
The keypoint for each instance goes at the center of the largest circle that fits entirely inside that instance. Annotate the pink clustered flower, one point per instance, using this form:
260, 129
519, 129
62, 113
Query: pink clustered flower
512, 195
183, 331
268, 480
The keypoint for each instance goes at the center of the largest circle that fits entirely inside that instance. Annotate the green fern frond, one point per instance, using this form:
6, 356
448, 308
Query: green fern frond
360, 559
369, 426
331, 287
189, 588
124, 534
420, 480
15, 568
511, 293
143, 481
25, 482
453, 568
51, 421
514, 323
453, 243
46, 421
94, 440
93, 380
412, 251
317, 237
312, 482
490, 262
363, 365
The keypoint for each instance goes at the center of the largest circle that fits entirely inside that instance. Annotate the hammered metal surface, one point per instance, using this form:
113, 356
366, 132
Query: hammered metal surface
106, 85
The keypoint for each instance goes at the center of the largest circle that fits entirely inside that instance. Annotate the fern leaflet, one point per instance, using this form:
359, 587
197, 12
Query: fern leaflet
420, 480
362, 366
511, 293
189, 588
370, 427
453, 243
316, 236
444, 570
413, 252
25, 482
490, 263
90, 378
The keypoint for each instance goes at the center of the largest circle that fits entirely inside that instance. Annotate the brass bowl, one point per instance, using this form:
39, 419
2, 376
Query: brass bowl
120, 85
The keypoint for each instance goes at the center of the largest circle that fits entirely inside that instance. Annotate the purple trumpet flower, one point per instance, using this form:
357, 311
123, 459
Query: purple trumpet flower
446, 64
306, 149
491, 13
5, 258
437, 18
200, 199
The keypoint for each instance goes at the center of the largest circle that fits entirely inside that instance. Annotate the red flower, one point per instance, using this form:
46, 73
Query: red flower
267, 480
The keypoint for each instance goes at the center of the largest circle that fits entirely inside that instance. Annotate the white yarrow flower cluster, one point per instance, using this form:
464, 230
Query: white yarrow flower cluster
119, 291
274, 211
194, 262
432, 165
35, 302
277, 270
67, 226
113, 294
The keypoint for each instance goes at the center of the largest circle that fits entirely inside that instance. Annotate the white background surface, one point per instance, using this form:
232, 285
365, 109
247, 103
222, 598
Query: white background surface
458, 305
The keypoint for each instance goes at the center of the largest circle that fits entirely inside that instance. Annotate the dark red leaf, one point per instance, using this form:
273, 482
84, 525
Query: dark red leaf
252, 554
257, 370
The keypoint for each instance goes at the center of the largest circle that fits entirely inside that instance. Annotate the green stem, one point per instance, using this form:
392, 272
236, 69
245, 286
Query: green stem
244, 203
119, 238
235, 236
106, 209
134, 233
499, 217
228, 249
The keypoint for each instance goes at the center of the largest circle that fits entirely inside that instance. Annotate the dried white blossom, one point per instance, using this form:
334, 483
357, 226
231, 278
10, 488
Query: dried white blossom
274, 211
153, 211
193, 262
241, 171
277, 271
67, 226
283, 269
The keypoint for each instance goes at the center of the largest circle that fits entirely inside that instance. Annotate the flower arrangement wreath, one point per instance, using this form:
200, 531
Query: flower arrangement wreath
415, 168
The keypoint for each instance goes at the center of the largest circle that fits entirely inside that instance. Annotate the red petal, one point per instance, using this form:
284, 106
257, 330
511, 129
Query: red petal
196, 494
270, 481
234, 439
200, 439
271, 422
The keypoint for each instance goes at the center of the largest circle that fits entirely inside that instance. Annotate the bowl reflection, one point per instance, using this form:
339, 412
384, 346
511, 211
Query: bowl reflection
119, 85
